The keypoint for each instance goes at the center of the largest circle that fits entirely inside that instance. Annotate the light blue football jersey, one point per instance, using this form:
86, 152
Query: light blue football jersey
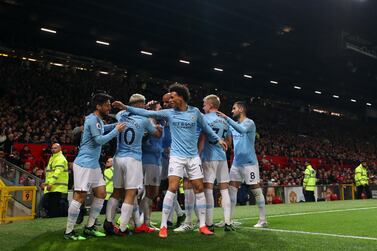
152, 150
183, 126
92, 141
243, 141
213, 151
130, 141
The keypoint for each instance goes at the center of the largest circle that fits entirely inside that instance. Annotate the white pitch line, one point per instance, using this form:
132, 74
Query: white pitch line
313, 233
312, 212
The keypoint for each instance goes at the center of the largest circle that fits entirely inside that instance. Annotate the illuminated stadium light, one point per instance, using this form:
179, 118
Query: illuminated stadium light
247, 76
30, 59
353, 100
318, 92
218, 69
57, 64
184, 61
335, 96
103, 72
368, 104
4, 55
273, 82
297, 87
320, 111
48, 30
102, 42
146, 53
336, 114
81, 68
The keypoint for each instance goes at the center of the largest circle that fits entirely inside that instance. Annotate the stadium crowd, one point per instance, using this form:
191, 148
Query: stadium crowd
41, 105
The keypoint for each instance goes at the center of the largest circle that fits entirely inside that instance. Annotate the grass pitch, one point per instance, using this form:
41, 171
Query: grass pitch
337, 225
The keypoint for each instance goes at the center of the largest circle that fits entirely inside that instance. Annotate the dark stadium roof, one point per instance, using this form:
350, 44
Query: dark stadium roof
322, 45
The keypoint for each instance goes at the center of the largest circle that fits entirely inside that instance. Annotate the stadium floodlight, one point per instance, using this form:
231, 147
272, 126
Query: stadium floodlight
368, 104
247, 76
318, 92
274, 82
184, 61
29, 59
335, 96
57, 64
218, 69
146, 53
103, 72
48, 30
102, 42
297, 87
353, 100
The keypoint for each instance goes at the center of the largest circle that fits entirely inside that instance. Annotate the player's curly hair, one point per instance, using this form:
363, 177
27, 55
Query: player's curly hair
181, 90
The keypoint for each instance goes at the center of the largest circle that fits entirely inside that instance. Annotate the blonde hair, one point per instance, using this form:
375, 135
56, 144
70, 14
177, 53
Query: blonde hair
136, 98
214, 100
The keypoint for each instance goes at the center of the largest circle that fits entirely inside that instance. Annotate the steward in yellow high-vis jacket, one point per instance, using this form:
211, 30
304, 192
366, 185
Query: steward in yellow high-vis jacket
108, 174
362, 181
56, 184
309, 182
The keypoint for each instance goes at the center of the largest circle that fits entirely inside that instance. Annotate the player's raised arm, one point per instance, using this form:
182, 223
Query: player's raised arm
103, 139
119, 105
109, 127
244, 128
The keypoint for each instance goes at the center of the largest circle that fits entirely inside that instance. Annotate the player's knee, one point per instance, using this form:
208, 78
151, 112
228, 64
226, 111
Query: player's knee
152, 192
79, 196
208, 186
117, 193
101, 195
255, 186
198, 188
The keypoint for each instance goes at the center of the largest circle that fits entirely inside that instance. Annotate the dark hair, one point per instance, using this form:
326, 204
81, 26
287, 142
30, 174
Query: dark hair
153, 105
99, 99
242, 104
181, 90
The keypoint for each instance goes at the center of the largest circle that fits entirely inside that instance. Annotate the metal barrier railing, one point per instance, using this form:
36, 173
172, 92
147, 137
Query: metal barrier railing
17, 202
14, 176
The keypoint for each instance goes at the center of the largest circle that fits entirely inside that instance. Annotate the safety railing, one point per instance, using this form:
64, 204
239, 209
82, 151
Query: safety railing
20, 187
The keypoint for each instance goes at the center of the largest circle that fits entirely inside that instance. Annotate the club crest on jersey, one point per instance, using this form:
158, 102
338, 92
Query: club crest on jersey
98, 125
193, 117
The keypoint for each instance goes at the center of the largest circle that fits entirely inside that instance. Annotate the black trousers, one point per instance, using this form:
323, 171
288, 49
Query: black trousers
55, 204
309, 196
361, 189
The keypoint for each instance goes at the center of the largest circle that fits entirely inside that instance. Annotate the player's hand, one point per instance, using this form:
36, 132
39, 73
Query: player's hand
121, 127
150, 103
159, 127
48, 187
223, 144
119, 105
220, 114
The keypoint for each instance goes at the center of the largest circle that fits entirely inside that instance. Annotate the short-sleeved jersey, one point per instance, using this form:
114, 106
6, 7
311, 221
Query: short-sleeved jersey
183, 126
129, 142
219, 125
